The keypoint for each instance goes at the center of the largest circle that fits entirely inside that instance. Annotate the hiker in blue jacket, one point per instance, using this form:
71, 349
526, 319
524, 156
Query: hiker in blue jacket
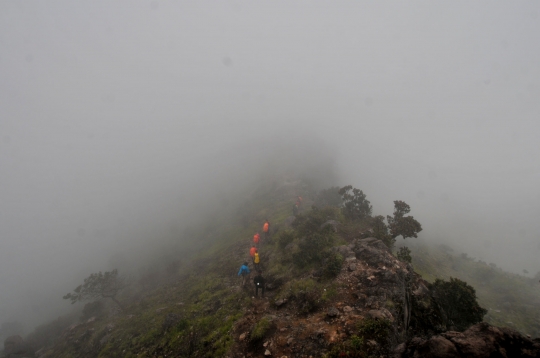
244, 272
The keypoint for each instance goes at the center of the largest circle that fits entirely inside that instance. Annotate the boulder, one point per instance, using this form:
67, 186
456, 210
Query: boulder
422, 290
345, 251
13, 344
437, 347
382, 314
366, 241
333, 223
481, 340
332, 312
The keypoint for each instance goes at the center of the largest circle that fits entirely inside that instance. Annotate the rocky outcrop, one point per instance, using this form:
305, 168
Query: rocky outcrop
14, 346
481, 340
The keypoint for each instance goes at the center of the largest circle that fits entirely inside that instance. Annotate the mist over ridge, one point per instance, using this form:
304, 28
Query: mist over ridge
121, 124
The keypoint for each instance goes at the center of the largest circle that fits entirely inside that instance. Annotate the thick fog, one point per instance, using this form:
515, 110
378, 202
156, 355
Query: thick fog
121, 122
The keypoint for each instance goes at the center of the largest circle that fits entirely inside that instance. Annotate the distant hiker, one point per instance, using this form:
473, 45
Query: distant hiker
266, 229
299, 200
252, 250
256, 239
295, 209
244, 272
256, 260
259, 282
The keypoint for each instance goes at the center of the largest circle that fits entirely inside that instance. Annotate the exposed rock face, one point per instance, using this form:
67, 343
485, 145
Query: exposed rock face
14, 345
481, 340
345, 251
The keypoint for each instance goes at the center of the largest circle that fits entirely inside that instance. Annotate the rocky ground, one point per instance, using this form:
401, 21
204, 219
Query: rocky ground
373, 284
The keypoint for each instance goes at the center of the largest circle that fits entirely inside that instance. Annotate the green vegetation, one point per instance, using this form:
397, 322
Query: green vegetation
370, 340
306, 294
97, 286
261, 329
511, 300
193, 305
399, 224
355, 205
380, 231
332, 265
404, 254
458, 304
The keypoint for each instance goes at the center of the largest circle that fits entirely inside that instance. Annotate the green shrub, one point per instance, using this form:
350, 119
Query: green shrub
375, 329
285, 238
380, 231
458, 303
309, 223
332, 265
404, 254
306, 294
312, 249
355, 205
399, 224
358, 346
261, 329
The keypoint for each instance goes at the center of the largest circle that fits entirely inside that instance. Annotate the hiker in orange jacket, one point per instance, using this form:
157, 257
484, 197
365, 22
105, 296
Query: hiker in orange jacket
266, 229
256, 238
252, 251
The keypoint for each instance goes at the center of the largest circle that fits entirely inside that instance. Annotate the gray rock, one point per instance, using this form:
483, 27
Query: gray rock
380, 245
281, 302
332, 312
382, 314
352, 267
389, 277
345, 251
366, 241
422, 290
333, 223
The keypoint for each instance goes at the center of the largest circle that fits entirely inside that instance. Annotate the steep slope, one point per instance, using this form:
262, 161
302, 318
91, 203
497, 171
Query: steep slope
331, 291
512, 300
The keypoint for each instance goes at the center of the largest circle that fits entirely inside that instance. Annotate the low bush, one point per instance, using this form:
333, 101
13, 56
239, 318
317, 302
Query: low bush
260, 329
284, 238
458, 303
332, 265
306, 295
312, 249
404, 254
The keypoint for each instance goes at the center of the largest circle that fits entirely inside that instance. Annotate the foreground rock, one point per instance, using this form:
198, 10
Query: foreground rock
481, 340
